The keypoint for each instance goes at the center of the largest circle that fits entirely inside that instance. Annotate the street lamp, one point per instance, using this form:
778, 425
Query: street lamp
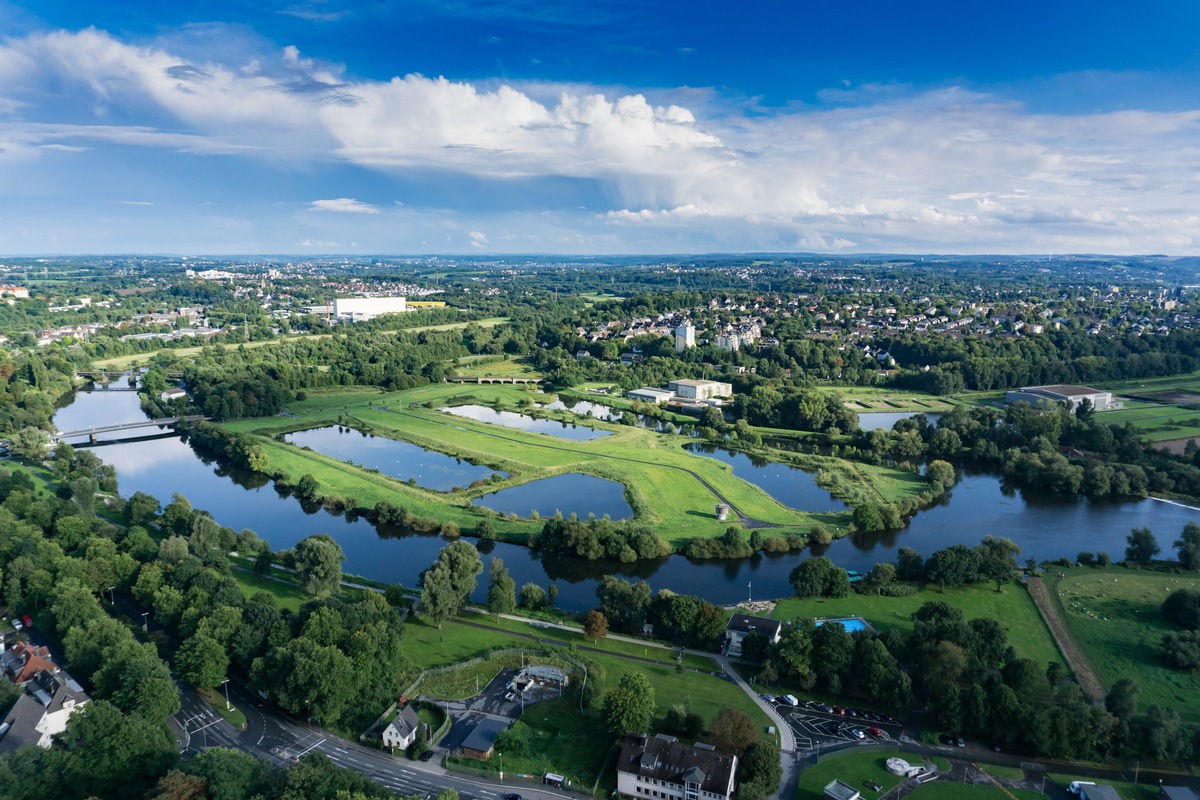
500, 756
225, 683
112, 600
145, 622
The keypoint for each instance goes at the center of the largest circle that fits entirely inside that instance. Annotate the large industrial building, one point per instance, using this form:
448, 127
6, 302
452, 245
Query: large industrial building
361, 309
700, 390
1050, 396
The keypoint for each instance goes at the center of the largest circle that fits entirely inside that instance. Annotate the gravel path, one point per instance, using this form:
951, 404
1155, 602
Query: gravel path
1066, 643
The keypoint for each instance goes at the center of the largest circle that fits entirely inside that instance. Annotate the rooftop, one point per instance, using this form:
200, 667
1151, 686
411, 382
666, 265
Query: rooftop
1066, 390
745, 623
665, 758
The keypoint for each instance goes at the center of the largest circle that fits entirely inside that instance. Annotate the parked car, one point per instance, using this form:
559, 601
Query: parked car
946, 738
873, 785
28, 622
857, 733
17, 624
428, 754
828, 709
839, 710
876, 732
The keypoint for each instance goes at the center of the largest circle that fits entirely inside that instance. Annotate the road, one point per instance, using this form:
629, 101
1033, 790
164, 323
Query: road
272, 735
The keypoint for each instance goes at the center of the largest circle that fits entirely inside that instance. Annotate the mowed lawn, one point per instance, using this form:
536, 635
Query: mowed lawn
1012, 608
1115, 619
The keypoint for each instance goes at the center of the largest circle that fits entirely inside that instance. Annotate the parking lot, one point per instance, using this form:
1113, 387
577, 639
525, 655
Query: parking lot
814, 726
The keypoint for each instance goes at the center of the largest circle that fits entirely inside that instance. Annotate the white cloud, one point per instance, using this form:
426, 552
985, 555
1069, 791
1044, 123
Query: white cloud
343, 205
135, 202
478, 239
872, 167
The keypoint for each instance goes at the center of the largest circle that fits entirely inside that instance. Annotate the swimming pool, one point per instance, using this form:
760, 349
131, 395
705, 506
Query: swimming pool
851, 624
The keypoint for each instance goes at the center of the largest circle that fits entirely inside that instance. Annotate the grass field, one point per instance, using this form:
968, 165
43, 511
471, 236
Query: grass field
662, 482
1012, 608
491, 366
286, 595
853, 768
1113, 615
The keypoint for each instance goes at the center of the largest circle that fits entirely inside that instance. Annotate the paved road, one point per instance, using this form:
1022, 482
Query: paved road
279, 739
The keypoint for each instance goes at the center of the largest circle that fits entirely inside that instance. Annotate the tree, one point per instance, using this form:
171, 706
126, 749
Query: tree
629, 707
909, 565
1122, 699
819, 577
142, 508
502, 589
176, 785
998, 560
305, 677
113, 754
732, 730
177, 516
439, 600
202, 661
759, 771
1188, 546
595, 625
231, 775
533, 597
1142, 546
940, 472
1182, 607
952, 566
319, 559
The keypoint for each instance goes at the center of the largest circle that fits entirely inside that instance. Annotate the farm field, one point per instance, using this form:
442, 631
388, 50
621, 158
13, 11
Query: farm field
1114, 617
1012, 608
473, 366
664, 485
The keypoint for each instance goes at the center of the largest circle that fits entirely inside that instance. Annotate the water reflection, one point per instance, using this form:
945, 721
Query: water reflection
793, 487
573, 493
398, 459
884, 420
509, 419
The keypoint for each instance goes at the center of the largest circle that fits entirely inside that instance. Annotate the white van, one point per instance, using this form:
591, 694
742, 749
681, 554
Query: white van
1077, 786
791, 701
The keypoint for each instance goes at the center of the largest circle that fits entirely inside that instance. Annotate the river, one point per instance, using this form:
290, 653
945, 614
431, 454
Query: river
1044, 526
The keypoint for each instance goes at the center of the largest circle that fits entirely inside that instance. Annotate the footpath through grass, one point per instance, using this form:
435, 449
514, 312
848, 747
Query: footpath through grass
1012, 608
1113, 615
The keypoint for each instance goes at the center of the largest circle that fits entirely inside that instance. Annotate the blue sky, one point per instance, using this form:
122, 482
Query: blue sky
315, 127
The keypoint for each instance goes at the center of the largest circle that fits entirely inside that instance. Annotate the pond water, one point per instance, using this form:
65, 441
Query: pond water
875, 420
571, 493
584, 407
509, 419
791, 486
1044, 526
393, 457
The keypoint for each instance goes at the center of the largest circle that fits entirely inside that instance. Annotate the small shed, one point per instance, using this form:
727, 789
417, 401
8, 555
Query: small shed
482, 738
722, 512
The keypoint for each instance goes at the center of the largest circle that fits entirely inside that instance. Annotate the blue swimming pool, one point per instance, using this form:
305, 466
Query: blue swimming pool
851, 624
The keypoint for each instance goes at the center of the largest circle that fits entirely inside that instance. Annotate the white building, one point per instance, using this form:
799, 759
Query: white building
1049, 396
685, 337
662, 767
42, 712
361, 309
648, 394
700, 390
403, 729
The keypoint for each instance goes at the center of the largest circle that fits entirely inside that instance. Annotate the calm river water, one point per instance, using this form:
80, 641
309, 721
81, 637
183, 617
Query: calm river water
1044, 526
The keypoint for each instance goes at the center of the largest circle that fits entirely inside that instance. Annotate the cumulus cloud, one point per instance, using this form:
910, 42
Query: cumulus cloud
478, 239
343, 205
872, 167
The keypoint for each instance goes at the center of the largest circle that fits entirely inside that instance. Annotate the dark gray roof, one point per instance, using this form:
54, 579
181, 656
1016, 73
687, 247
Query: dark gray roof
746, 624
1101, 791
23, 718
483, 735
406, 721
1177, 793
665, 758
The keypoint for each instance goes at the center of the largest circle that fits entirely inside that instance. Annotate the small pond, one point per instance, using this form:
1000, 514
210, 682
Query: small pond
397, 459
793, 487
574, 493
509, 419
875, 420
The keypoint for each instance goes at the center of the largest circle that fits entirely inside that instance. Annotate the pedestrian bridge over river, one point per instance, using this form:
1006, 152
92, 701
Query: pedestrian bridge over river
92, 433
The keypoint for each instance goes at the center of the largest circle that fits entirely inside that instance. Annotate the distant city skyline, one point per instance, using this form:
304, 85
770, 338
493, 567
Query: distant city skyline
510, 126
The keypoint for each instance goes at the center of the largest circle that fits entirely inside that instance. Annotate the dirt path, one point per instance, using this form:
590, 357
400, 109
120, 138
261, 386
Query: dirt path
1075, 658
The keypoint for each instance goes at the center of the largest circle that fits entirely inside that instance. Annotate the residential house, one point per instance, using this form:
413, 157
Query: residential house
42, 711
741, 625
402, 731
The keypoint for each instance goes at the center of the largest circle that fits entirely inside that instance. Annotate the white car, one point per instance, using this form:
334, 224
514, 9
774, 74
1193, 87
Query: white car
17, 624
